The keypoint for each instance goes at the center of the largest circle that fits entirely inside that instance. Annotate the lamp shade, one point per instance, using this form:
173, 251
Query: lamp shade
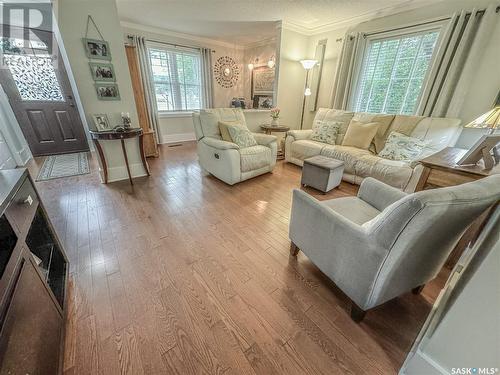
308, 64
490, 119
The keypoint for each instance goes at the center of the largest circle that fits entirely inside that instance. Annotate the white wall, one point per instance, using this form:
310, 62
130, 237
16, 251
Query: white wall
6, 159
293, 48
483, 87
72, 19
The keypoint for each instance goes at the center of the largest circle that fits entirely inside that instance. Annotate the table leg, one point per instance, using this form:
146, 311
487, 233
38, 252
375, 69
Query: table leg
126, 161
103, 160
423, 179
143, 156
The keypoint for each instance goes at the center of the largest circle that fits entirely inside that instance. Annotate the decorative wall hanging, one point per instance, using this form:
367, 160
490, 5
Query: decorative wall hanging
107, 91
226, 72
262, 81
102, 71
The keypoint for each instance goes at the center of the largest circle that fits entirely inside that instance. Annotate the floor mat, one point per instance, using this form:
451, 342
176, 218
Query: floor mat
57, 166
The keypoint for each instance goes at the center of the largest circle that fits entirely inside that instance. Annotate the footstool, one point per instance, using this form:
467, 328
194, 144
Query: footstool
322, 173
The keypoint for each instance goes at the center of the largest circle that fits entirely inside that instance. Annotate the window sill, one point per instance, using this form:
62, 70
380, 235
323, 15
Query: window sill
175, 114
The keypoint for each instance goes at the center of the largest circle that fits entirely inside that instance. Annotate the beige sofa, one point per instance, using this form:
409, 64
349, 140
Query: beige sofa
359, 163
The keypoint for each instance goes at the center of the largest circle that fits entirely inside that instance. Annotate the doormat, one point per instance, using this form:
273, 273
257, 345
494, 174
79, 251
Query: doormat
57, 166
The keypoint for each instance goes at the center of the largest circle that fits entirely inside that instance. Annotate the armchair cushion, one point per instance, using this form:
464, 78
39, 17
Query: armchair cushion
353, 208
264, 139
224, 129
219, 143
241, 136
300, 134
255, 157
209, 119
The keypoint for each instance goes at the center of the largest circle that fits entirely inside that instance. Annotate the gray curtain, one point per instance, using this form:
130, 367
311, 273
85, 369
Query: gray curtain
207, 78
146, 74
342, 86
455, 63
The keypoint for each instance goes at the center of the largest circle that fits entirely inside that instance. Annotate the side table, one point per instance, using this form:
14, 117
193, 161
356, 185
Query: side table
114, 135
269, 129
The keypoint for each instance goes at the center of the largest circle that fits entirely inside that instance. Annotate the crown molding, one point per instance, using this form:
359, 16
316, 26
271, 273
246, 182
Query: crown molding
347, 22
260, 43
201, 41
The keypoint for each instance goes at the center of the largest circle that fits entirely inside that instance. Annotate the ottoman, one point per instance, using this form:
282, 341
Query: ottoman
322, 173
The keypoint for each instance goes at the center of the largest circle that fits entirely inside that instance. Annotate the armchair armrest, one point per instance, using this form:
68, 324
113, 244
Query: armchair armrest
264, 139
378, 194
299, 134
219, 144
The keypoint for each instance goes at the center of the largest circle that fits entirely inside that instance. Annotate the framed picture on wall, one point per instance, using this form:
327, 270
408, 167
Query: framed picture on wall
101, 122
107, 91
97, 49
102, 71
263, 101
263, 81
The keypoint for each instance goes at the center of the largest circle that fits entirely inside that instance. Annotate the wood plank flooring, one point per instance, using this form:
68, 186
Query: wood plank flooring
182, 274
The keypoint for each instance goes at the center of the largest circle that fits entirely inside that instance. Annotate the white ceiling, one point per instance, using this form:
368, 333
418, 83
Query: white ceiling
243, 22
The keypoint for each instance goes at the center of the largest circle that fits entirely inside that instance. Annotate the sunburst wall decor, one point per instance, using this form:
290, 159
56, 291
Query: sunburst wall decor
226, 72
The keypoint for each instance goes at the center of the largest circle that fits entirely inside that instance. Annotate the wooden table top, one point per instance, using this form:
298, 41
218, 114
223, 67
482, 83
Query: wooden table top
278, 128
448, 157
110, 135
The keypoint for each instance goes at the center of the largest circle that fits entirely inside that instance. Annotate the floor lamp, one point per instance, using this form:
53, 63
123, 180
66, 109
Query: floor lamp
307, 65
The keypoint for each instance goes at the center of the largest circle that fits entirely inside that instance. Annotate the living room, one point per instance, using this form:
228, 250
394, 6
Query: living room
250, 187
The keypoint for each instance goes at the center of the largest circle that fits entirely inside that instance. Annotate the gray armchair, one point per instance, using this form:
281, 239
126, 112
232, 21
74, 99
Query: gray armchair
383, 243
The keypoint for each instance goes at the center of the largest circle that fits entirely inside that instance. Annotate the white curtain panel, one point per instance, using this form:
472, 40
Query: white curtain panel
342, 86
146, 74
207, 77
458, 56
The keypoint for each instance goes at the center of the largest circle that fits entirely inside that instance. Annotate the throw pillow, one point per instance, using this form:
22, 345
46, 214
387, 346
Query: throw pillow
241, 136
402, 147
325, 131
223, 128
360, 134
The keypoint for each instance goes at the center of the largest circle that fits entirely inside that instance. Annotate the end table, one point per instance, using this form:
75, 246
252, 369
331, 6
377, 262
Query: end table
269, 129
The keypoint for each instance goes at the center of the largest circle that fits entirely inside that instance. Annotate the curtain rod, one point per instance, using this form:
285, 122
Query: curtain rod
130, 36
438, 19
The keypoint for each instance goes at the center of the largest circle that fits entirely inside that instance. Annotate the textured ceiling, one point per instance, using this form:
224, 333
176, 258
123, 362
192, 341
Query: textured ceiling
247, 21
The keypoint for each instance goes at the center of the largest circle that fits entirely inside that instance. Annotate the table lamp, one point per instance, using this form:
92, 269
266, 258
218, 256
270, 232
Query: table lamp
490, 120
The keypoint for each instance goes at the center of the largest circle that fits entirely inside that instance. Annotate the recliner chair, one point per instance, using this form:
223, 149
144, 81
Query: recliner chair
384, 242
226, 160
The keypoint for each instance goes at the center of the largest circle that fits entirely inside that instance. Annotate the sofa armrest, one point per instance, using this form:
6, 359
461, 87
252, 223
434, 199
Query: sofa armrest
378, 194
264, 139
219, 144
299, 134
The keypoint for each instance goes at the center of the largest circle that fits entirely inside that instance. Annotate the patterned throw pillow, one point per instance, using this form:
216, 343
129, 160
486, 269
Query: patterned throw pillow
325, 131
241, 136
402, 148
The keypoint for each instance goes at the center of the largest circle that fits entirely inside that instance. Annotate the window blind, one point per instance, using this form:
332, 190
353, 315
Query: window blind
393, 73
177, 79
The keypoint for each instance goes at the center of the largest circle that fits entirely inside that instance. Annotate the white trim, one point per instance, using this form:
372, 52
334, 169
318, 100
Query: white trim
260, 43
175, 114
157, 30
347, 22
174, 138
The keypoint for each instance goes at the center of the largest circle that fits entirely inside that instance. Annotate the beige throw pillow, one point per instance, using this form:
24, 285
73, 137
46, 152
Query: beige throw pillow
360, 135
224, 131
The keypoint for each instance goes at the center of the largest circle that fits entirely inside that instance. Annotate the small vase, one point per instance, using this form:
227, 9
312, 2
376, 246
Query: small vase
274, 122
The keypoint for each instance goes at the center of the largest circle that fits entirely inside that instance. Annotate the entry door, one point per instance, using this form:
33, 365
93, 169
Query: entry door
35, 80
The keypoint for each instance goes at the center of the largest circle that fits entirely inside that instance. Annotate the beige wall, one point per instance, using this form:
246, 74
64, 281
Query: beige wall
72, 20
261, 52
483, 87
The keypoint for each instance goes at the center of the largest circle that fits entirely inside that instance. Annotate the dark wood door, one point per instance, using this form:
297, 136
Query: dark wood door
34, 78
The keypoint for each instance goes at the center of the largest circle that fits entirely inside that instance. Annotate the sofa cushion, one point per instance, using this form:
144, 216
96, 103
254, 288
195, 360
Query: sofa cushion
392, 172
349, 155
352, 208
304, 149
382, 131
209, 119
360, 134
255, 157
241, 136
337, 115
403, 148
325, 131
404, 124
224, 129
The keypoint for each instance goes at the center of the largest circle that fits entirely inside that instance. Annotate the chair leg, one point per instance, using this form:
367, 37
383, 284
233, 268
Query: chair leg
418, 289
294, 250
356, 313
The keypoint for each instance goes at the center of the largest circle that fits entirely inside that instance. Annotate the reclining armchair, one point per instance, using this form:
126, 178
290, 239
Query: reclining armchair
226, 160
384, 243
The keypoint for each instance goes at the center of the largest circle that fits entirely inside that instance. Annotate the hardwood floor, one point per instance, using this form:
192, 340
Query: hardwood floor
183, 274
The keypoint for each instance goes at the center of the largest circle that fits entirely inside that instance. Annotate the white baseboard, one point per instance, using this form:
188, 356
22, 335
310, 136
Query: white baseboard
120, 173
181, 137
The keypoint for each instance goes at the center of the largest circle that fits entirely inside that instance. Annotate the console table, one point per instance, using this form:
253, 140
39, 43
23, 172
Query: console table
33, 280
121, 136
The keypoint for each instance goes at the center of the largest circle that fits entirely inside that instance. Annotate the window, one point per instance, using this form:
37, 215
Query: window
177, 79
393, 72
